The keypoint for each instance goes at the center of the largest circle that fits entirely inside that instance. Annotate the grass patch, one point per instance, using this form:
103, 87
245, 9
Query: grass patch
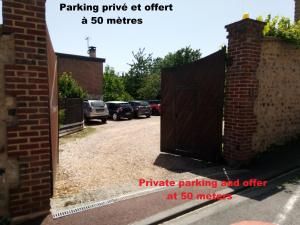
81, 134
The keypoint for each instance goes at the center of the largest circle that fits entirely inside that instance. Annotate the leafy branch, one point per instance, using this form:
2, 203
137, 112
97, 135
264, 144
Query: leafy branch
283, 28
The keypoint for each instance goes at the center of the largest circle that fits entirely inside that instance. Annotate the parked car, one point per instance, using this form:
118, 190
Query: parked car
119, 109
141, 108
155, 106
95, 109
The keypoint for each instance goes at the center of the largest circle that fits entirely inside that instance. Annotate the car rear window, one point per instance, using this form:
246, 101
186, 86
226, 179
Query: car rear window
144, 103
125, 105
154, 102
97, 104
135, 103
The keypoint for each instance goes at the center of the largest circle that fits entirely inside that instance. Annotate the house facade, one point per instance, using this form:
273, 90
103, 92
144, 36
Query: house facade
87, 71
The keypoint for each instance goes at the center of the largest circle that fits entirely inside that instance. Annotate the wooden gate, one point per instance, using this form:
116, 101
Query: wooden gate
192, 108
53, 105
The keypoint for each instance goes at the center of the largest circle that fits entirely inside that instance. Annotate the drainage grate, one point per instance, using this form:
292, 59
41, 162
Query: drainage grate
105, 202
102, 203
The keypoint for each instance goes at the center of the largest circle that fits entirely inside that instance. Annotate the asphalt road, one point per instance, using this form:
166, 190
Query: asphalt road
279, 203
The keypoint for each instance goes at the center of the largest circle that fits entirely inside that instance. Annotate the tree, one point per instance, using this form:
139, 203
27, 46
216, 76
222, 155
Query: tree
140, 68
69, 88
180, 57
143, 78
150, 88
114, 88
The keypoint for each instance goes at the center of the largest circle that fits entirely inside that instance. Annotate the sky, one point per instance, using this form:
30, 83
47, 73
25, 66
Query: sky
196, 23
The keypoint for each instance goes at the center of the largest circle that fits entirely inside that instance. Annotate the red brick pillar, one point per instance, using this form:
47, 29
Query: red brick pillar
244, 48
28, 141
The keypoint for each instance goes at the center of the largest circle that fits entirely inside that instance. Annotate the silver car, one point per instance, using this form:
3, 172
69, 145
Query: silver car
95, 109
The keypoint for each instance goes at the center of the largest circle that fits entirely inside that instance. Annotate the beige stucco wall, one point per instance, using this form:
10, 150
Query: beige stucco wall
277, 106
6, 57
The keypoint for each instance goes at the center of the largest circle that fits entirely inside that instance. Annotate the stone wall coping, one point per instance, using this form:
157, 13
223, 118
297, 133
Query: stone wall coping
280, 41
244, 21
270, 38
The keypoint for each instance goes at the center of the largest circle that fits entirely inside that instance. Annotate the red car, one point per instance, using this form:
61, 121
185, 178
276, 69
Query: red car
155, 106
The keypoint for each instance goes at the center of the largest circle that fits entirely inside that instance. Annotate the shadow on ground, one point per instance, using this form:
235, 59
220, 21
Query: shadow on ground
125, 119
141, 118
92, 123
181, 164
267, 166
277, 161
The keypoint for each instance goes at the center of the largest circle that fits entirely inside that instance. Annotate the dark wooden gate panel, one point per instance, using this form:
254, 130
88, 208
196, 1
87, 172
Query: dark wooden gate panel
53, 106
192, 108
185, 112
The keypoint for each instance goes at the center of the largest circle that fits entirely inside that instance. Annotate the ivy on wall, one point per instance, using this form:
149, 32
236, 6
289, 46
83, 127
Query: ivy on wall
283, 28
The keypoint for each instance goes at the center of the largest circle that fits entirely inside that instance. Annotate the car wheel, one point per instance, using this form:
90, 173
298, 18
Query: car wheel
115, 117
104, 120
148, 116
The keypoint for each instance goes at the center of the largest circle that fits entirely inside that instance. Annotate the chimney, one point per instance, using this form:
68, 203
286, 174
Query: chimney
297, 10
92, 51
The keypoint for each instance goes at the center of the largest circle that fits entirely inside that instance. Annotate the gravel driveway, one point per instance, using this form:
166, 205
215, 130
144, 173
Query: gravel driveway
106, 160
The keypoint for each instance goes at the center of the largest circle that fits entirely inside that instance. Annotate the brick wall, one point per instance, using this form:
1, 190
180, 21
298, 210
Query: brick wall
26, 81
262, 104
87, 71
297, 10
277, 107
241, 89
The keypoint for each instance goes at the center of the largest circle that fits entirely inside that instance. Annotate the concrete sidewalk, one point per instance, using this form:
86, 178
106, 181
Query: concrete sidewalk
154, 208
